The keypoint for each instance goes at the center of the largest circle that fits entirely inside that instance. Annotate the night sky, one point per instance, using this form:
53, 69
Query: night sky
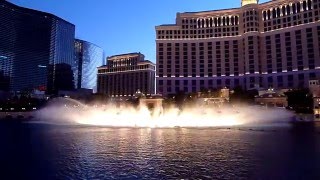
122, 26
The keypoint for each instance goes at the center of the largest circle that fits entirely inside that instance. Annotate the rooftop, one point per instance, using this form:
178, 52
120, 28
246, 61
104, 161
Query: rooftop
126, 54
209, 11
40, 13
80, 40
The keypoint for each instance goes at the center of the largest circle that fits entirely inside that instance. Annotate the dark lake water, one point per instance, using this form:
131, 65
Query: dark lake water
40, 151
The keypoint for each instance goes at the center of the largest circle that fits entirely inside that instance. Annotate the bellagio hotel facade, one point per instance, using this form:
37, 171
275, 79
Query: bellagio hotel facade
274, 44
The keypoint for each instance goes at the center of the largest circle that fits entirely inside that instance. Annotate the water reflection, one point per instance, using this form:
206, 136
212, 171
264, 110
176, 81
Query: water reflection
163, 153
79, 152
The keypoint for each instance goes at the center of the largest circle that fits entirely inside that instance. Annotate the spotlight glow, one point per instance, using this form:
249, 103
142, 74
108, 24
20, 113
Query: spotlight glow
141, 116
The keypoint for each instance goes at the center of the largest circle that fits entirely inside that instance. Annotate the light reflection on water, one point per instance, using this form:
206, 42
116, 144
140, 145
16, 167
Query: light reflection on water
159, 153
76, 152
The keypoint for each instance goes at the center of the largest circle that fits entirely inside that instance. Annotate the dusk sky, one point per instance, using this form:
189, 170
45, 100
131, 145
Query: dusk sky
122, 26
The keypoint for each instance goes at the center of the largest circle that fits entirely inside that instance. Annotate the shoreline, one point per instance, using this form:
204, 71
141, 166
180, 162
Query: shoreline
27, 115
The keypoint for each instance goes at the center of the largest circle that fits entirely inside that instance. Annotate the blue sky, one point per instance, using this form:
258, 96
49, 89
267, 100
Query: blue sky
122, 26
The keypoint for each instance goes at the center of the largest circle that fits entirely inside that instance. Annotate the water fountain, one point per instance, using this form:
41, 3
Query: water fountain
151, 114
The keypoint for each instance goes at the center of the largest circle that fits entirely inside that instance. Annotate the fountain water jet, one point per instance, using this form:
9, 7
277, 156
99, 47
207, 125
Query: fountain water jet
66, 110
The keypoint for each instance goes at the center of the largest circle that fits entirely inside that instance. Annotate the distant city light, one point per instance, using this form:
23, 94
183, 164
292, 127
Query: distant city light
42, 66
3, 57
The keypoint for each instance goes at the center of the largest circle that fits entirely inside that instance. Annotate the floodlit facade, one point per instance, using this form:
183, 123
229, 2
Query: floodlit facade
126, 74
274, 44
88, 57
35, 48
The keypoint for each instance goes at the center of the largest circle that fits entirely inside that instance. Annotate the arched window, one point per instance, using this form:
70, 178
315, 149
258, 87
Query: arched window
264, 15
283, 10
199, 24
219, 21
274, 13
269, 14
232, 20
207, 23
211, 22
309, 5
224, 21
304, 5
202, 23
294, 8
228, 21
288, 10
237, 20
215, 22
298, 7
278, 12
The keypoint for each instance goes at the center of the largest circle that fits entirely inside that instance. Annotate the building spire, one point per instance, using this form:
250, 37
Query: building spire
245, 2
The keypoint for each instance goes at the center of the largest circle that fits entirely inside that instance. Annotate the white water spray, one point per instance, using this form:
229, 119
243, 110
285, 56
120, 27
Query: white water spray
65, 111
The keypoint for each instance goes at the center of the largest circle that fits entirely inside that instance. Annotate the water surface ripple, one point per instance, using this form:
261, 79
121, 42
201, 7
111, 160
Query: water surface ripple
35, 151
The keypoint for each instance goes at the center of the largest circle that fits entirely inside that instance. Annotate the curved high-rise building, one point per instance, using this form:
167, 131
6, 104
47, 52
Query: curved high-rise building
35, 49
273, 44
89, 57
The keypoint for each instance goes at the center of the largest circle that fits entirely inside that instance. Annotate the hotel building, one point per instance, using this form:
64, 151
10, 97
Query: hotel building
36, 50
274, 44
125, 74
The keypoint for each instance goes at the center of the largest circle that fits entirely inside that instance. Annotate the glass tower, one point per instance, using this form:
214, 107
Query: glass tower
88, 57
36, 48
